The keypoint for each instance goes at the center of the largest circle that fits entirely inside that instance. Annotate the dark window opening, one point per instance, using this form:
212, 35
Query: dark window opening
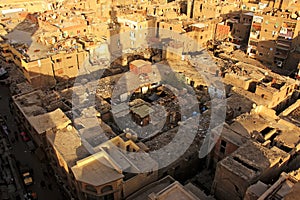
223, 146
266, 131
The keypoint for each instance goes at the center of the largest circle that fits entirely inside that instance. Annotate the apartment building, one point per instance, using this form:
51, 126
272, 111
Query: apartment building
63, 148
73, 161
134, 30
22, 5
38, 113
203, 31
42, 71
274, 38
168, 11
262, 86
266, 130
196, 32
43, 52
240, 25
112, 173
250, 163
255, 126
207, 9
258, 6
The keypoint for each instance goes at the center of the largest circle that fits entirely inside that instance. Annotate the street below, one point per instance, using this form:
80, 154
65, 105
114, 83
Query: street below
44, 184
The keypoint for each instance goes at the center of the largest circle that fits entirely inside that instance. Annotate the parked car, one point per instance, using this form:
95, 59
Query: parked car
24, 136
27, 178
26, 174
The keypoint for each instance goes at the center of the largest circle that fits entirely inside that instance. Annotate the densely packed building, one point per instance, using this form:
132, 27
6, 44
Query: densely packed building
92, 148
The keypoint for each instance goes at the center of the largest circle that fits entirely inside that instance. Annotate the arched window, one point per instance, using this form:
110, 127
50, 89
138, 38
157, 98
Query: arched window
90, 188
106, 188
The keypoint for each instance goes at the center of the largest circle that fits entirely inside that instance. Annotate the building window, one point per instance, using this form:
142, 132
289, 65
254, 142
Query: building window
253, 51
106, 189
223, 146
90, 188
90, 197
149, 173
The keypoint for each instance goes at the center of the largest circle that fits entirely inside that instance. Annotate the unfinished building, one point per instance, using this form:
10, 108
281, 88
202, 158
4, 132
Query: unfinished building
287, 187
262, 86
274, 39
247, 165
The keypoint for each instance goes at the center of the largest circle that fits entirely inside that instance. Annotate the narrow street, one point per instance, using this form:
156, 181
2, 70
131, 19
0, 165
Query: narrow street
47, 191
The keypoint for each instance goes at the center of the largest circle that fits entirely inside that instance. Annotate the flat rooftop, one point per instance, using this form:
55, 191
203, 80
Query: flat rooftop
142, 110
175, 191
92, 129
31, 103
245, 124
199, 25
239, 104
232, 136
292, 113
133, 17
24, 38
289, 138
140, 63
51, 120
68, 143
155, 187
252, 159
96, 170
295, 115
188, 70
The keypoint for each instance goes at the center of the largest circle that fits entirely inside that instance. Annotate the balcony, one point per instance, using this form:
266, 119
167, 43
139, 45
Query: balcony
281, 55
284, 39
286, 34
286, 46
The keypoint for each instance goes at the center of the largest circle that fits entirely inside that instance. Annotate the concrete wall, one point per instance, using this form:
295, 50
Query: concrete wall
228, 186
137, 182
217, 155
